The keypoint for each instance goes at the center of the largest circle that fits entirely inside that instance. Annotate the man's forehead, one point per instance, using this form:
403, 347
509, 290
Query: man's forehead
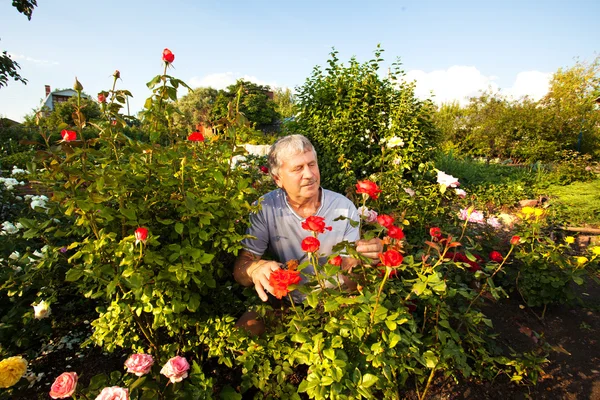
296, 158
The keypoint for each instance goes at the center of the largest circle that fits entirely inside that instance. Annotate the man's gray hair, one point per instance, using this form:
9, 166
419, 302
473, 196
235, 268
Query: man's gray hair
286, 146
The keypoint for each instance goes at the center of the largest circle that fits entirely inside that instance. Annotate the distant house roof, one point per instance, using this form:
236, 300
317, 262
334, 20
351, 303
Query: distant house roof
60, 96
7, 123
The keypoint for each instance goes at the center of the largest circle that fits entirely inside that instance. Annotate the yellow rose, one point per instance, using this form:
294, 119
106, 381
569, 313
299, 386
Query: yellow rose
596, 250
581, 260
528, 210
11, 370
538, 212
570, 239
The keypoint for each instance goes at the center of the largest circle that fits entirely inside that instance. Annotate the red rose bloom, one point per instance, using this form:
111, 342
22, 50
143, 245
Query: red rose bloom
315, 223
391, 258
310, 244
515, 240
435, 232
395, 233
141, 234
337, 260
411, 305
101, 98
196, 137
369, 188
496, 256
168, 57
264, 169
68, 135
281, 279
385, 220
460, 257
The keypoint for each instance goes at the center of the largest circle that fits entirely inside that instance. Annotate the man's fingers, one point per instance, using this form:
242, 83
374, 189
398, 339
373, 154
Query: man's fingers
261, 292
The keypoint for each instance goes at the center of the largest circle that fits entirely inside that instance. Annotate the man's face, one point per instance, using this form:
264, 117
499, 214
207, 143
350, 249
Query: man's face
299, 176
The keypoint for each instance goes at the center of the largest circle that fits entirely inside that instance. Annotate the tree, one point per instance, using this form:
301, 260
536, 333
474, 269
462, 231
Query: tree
570, 106
284, 102
255, 103
196, 108
8, 67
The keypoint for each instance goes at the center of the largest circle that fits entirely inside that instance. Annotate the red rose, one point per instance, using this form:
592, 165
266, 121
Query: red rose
196, 137
315, 223
395, 233
101, 98
264, 169
435, 232
337, 260
168, 57
281, 279
369, 188
411, 305
391, 258
310, 244
496, 256
68, 135
385, 220
515, 240
141, 234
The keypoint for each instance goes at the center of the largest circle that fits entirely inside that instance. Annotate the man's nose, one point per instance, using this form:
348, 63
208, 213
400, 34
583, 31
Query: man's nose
308, 173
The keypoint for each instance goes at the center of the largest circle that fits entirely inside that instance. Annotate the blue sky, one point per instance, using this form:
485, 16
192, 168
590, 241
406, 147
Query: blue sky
453, 48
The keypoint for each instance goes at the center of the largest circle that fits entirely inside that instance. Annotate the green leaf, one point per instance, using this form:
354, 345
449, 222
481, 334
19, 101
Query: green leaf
179, 228
300, 337
368, 380
129, 213
73, 274
431, 359
229, 393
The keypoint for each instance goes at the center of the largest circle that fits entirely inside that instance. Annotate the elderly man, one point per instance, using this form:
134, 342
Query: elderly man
277, 226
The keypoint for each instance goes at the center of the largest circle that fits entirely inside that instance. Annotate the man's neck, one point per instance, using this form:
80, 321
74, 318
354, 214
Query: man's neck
305, 207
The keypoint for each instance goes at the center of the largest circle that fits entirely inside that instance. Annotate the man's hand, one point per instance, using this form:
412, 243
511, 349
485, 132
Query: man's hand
250, 270
370, 248
259, 274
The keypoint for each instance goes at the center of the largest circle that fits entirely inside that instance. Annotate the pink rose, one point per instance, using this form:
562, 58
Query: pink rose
176, 369
113, 393
64, 386
139, 364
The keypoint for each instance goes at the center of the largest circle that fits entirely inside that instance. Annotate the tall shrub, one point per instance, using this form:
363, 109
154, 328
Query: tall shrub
351, 112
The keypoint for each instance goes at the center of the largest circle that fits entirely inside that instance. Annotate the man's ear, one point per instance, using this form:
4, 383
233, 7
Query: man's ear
277, 180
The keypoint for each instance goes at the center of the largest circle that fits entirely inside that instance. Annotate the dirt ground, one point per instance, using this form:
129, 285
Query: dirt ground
573, 371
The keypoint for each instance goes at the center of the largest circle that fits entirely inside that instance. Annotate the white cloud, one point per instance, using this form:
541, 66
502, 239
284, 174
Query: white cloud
461, 82
534, 84
22, 57
221, 80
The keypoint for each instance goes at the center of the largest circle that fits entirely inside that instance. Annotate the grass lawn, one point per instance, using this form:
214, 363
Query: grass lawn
577, 203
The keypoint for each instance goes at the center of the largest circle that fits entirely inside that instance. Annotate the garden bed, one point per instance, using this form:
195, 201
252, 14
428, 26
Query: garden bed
571, 331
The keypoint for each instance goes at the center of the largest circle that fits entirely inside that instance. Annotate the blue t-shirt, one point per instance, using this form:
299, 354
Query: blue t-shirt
278, 228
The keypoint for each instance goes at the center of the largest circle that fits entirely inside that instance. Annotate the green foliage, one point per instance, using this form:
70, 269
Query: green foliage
526, 130
254, 103
547, 270
284, 101
492, 183
349, 112
196, 108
